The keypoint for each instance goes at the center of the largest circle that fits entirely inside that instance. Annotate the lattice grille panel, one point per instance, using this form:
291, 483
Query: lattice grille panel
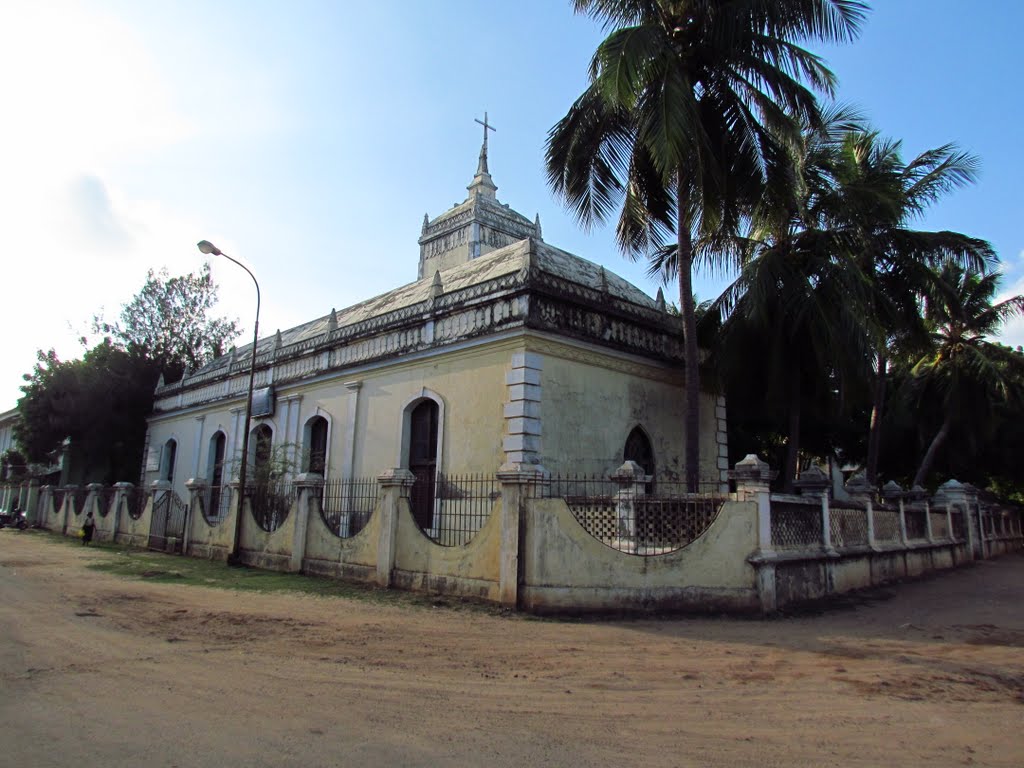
849, 526
887, 525
795, 526
917, 526
940, 525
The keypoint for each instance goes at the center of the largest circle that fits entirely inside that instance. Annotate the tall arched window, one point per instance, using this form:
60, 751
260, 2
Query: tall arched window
216, 499
316, 445
167, 459
263, 439
422, 460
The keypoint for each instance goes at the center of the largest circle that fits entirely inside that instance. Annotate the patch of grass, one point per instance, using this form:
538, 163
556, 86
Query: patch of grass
187, 571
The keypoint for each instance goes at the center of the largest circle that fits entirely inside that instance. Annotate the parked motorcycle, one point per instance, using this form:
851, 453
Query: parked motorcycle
14, 518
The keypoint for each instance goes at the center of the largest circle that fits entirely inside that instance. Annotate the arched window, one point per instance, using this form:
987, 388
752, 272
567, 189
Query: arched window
316, 445
422, 460
215, 459
638, 449
167, 459
215, 498
263, 440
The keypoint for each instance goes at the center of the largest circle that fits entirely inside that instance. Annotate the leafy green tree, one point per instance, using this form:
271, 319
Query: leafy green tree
169, 323
681, 124
99, 403
964, 376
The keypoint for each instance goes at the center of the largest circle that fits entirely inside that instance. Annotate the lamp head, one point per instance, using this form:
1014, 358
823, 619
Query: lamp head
205, 246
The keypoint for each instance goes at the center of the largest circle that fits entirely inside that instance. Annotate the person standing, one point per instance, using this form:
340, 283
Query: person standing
87, 528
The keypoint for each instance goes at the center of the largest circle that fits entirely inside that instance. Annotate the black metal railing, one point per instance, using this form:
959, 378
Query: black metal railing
105, 500
214, 502
451, 509
170, 514
627, 519
59, 494
346, 505
271, 502
137, 499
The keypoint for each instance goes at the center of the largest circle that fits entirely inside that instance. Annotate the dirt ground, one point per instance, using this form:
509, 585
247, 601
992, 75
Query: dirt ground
100, 670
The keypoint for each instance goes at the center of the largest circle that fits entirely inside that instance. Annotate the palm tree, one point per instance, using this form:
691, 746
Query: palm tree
966, 375
875, 196
680, 125
800, 291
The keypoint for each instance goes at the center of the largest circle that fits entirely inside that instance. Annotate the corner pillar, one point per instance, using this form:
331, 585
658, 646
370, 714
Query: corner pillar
518, 483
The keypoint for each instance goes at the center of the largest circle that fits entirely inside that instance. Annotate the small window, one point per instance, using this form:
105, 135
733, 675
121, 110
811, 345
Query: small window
638, 449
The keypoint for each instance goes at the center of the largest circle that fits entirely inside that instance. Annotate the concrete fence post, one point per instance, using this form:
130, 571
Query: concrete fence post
753, 478
93, 499
67, 501
395, 484
121, 495
309, 489
632, 481
32, 509
196, 499
519, 482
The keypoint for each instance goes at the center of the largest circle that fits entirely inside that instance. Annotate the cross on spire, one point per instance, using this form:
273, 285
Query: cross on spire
487, 127
482, 165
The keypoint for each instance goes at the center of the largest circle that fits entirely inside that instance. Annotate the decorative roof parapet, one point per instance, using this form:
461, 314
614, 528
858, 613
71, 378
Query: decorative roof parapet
528, 285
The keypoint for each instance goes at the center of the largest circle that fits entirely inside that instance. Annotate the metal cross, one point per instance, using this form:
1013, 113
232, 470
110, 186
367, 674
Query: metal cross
487, 127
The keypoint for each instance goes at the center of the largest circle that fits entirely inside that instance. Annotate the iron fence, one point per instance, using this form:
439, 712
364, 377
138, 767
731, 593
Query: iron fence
346, 505
458, 509
271, 503
167, 524
626, 518
795, 525
137, 499
59, 494
107, 497
79, 496
214, 502
916, 521
849, 525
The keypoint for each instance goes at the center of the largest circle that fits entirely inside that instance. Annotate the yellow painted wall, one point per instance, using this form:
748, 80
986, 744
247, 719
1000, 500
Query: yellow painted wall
591, 402
567, 568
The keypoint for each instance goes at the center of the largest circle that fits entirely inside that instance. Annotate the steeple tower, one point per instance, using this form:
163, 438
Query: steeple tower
477, 226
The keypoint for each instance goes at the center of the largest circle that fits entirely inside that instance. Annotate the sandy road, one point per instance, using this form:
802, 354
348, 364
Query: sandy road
97, 670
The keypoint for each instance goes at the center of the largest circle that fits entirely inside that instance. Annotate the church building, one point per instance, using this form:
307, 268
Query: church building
505, 352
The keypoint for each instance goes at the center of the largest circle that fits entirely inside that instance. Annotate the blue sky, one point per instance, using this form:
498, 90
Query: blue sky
309, 138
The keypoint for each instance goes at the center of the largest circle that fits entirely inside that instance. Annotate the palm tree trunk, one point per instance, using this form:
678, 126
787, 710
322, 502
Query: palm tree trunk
875, 429
691, 354
929, 456
793, 439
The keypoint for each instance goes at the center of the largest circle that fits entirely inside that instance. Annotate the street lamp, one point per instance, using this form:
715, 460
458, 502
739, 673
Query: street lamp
205, 246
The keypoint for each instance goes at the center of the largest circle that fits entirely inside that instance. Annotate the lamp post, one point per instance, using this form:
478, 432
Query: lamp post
205, 246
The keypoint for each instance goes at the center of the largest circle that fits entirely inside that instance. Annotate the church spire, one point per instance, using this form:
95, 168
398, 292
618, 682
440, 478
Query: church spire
482, 184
